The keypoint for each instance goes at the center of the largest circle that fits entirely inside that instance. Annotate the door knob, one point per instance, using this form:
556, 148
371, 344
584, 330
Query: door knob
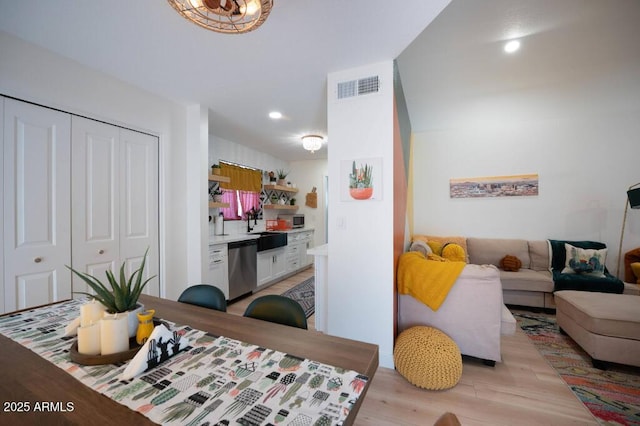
100, 251
37, 260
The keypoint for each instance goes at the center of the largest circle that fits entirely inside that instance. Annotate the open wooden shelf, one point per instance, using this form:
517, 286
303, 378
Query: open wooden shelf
213, 205
280, 188
218, 178
279, 207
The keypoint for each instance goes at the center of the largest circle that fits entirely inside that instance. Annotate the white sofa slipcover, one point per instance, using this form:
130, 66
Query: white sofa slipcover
473, 313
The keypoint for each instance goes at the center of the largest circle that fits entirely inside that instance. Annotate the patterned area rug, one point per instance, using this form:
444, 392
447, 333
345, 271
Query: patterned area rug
304, 293
612, 395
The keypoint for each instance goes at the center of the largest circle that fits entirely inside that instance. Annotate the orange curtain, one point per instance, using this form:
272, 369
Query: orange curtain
242, 179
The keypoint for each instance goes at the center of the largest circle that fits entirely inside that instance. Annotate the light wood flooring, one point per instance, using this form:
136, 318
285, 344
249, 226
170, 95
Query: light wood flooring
521, 390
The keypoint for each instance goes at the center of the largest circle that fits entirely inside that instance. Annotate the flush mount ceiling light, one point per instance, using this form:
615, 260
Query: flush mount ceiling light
225, 16
512, 46
275, 115
312, 142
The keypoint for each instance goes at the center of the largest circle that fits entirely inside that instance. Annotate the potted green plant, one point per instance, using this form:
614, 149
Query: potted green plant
282, 176
361, 182
215, 169
217, 195
292, 201
118, 297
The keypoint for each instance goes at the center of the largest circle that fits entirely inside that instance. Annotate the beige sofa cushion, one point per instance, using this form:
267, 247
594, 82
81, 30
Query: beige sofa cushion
527, 280
484, 251
539, 253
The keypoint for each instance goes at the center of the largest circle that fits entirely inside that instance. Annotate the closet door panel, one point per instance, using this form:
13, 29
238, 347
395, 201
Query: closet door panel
2, 276
95, 198
36, 289
139, 204
37, 239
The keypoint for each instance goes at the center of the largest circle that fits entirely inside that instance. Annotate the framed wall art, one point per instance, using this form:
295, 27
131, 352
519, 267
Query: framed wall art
494, 186
361, 179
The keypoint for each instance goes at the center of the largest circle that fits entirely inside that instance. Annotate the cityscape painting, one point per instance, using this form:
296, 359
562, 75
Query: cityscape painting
494, 186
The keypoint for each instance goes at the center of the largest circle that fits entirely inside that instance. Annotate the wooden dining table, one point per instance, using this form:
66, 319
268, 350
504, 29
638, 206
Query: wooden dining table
26, 377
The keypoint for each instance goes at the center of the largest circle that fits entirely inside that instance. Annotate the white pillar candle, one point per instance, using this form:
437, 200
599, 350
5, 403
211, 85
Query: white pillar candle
89, 339
114, 333
91, 313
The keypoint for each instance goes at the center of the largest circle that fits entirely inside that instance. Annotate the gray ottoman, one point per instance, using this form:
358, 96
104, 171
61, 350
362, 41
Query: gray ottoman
605, 325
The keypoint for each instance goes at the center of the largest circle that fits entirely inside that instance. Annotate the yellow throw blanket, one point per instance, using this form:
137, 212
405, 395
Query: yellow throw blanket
427, 280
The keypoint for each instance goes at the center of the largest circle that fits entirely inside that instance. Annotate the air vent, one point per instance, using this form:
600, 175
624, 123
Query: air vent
363, 86
368, 85
347, 89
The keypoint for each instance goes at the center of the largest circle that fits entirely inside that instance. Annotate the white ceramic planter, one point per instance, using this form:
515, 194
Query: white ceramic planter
133, 319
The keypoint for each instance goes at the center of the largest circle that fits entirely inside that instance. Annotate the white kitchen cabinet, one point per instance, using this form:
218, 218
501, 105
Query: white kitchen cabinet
305, 242
36, 205
271, 265
293, 251
293, 257
297, 245
219, 267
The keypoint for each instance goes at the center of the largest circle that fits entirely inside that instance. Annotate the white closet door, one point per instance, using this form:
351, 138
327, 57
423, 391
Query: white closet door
115, 201
37, 239
95, 197
139, 204
2, 204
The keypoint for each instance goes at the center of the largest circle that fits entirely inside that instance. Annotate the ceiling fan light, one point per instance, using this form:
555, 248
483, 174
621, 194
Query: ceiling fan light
252, 7
312, 142
225, 16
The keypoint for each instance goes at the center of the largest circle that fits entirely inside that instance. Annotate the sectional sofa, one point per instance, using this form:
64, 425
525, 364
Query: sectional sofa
532, 285
485, 278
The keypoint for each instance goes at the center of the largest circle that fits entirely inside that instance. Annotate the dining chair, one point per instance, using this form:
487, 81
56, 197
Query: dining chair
204, 295
278, 309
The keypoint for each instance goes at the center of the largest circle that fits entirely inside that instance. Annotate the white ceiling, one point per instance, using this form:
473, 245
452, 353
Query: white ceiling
283, 65
449, 69
576, 57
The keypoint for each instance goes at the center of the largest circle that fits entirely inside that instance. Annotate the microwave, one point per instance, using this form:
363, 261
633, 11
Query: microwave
296, 220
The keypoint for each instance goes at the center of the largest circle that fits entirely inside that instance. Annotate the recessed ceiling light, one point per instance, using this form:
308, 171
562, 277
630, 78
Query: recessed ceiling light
512, 46
275, 115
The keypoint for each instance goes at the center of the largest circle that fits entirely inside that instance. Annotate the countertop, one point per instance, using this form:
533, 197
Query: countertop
322, 250
225, 239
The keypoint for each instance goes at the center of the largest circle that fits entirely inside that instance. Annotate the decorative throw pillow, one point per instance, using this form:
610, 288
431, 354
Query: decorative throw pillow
436, 247
453, 252
584, 261
420, 246
433, 239
510, 263
635, 267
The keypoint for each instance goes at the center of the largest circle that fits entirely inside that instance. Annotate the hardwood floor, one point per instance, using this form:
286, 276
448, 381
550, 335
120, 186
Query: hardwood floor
240, 306
521, 390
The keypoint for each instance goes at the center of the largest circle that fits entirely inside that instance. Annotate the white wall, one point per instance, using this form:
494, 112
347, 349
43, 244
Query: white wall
197, 190
586, 157
306, 175
235, 152
36, 75
361, 269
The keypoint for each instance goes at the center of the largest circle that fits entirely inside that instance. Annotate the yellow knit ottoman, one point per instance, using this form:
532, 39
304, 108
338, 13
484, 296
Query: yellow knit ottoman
428, 358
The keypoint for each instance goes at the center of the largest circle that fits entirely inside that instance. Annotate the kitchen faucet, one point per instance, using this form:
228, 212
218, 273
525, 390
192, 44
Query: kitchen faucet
249, 228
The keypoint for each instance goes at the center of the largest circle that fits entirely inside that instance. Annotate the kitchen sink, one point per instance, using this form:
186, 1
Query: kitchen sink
269, 240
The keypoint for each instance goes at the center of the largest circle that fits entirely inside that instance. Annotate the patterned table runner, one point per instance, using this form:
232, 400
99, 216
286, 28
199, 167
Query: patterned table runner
216, 380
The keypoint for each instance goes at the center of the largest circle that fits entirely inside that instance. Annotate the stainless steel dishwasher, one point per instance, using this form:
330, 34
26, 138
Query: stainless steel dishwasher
243, 276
